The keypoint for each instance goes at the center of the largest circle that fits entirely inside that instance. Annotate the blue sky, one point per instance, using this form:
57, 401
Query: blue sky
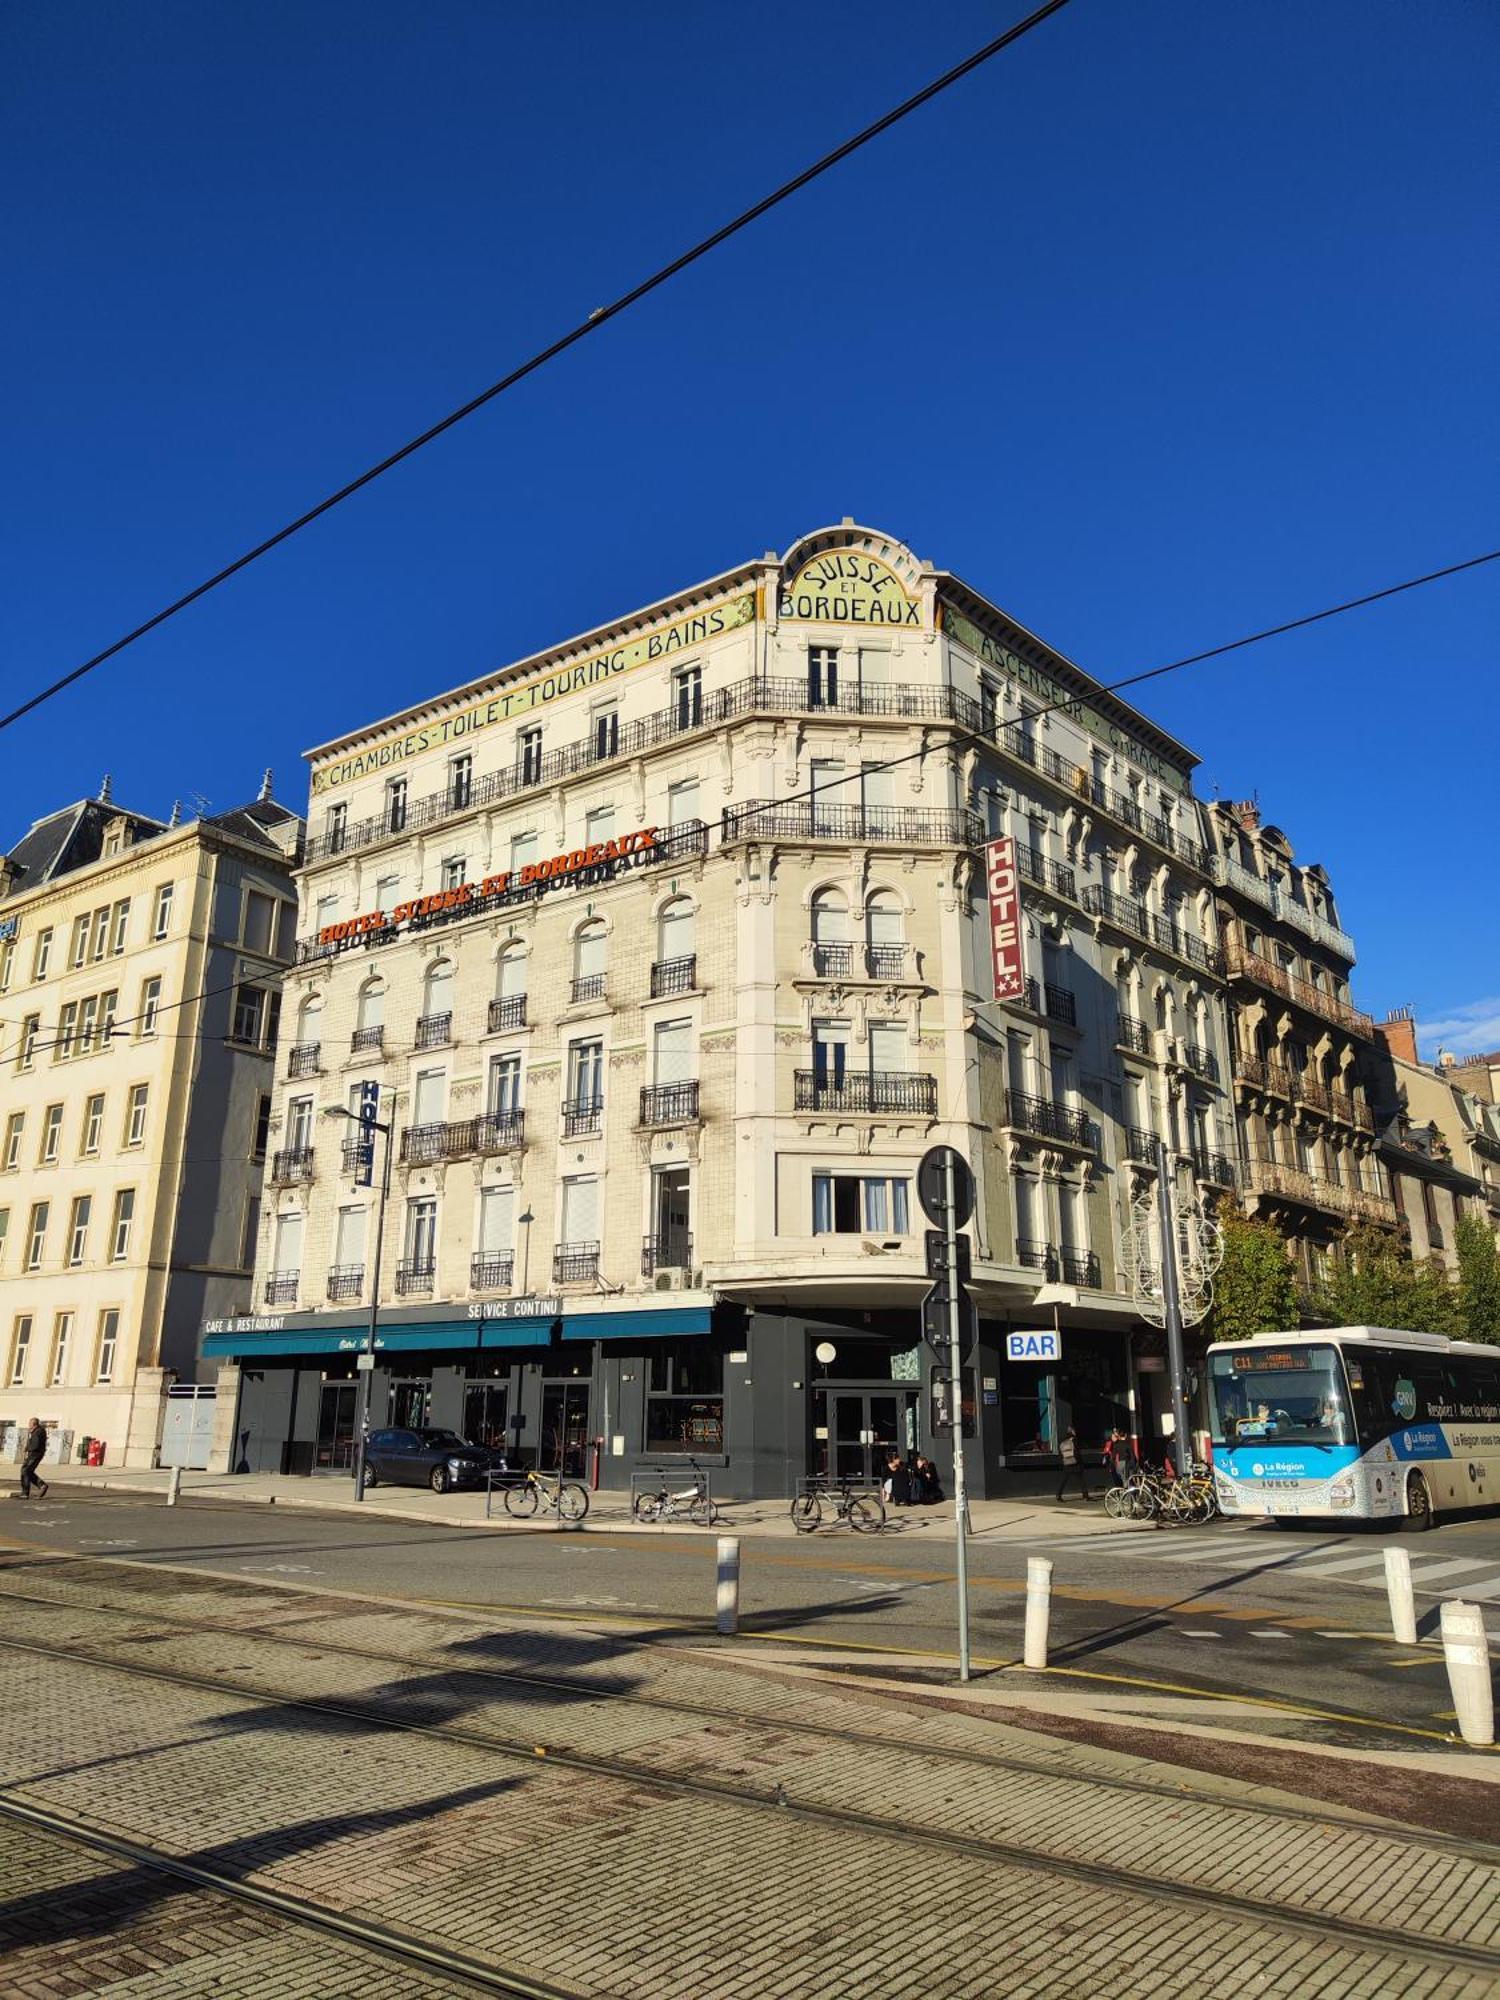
1173, 321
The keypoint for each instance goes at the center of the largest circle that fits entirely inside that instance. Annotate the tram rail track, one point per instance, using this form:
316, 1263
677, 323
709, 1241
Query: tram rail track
1427, 1840
1447, 1954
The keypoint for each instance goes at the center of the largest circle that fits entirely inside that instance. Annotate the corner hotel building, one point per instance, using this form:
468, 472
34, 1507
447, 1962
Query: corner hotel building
669, 950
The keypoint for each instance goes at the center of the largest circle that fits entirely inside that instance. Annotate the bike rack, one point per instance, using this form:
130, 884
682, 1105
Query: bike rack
645, 1480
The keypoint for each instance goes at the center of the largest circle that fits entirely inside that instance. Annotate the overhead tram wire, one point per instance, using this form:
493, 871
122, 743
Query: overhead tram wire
971, 736
596, 319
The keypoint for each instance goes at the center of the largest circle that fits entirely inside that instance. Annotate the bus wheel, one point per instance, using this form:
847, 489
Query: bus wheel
1418, 1504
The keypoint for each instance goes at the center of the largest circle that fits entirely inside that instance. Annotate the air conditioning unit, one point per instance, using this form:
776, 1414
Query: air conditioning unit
674, 1280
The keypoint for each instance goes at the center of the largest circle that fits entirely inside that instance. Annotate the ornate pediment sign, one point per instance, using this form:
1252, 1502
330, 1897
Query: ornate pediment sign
849, 577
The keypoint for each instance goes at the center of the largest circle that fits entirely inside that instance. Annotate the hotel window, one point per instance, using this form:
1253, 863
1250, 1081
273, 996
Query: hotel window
497, 1208
687, 697
105, 1345
588, 961
109, 1005
145, 1023
682, 802
62, 1334
88, 1015
887, 1043
529, 756
586, 1074
606, 732
30, 1028
80, 949
421, 1233
13, 1128
119, 1244
505, 1086
4, 1231
135, 1116
161, 916
827, 792
580, 1210
989, 707
19, 1345
387, 892
523, 851
511, 973
428, 1098
78, 1228
599, 825
259, 928
830, 1053
349, 1238
51, 1135
335, 828
120, 926
822, 676
455, 869
299, 1117
672, 1052
325, 912
7, 961
250, 1235
846, 1204
93, 1124
460, 781
101, 934
395, 805
286, 1261
36, 1235
41, 957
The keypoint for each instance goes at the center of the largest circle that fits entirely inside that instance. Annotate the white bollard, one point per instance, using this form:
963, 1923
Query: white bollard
1466, 1648
1038, 1610
1398, 1590
728, 1619
174, 1485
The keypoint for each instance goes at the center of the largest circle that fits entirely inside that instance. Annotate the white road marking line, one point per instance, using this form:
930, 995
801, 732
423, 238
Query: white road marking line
1270, 1632
1201, 1635
1319, 1565
1427, 1570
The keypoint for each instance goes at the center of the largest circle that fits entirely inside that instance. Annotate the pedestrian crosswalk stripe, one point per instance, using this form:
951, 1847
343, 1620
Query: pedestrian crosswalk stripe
1331, 1565
1425, 1572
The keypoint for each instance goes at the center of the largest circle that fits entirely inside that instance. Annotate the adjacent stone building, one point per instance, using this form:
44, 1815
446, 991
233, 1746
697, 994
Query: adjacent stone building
139, 961
1440, 1143
670, 952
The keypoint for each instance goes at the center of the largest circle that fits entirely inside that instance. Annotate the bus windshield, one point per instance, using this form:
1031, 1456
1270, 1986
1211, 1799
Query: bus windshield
1286, 1394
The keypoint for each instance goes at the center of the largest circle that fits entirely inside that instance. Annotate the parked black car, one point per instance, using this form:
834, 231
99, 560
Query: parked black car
439, 1459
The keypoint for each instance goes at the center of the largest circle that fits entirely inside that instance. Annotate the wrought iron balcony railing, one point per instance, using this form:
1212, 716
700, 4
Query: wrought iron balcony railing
494, 1132
509, 1012
1061, 1006
282, 1288
1245, 964
1134, 1035
302, 1058
1129, 913
587, 986
367, 1038
434, 1030
1047, 1120
1034, 866
1035, 1255
1078, 1267
833, 961
807, 820
491, 1270
1214, 1168
674, 975
667, 1250
416, 1274
867, 1091
346, 1281
575, 1263
1140, 1145
670, 1103
582, 1115
1201, 1061
1263, 1074
357, 1152
292, 1163
1248, 884
886, 961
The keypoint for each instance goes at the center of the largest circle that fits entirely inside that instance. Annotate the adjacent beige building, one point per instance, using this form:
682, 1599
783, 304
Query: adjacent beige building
1439, 1142
139, 967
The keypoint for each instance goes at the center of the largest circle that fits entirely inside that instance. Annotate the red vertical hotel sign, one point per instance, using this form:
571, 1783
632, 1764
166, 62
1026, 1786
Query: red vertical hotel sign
1005, 918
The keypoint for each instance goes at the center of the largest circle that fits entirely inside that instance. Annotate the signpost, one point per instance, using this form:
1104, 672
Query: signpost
945, 1188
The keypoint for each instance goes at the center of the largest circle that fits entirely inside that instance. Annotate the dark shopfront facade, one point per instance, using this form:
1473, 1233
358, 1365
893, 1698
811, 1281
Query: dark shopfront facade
739, 1388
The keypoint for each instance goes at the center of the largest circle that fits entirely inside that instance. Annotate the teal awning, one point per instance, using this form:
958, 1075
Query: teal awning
644, 1323
460, 1336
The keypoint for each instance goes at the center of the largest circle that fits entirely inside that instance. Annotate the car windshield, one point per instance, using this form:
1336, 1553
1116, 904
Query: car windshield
1282, 1393
443, 1441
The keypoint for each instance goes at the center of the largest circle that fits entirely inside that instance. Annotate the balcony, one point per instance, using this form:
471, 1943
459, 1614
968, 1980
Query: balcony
1263, 1074
1299, 1184
1140, 1145
670, 1103
346, 1282
302, 1058
575, 1263
1061, 1006
674, 975
290, 1165
1201, 1061
1377, 1208
586, 987
1034, 866
1214, 1169
806, 820
1350, 1110
1133, 1034
367, 1038
434, 1031
1078, 1267
507, 1013
581, 1116
358, 1154
282, 1288
495, 1132
833, 961
1036, 1256
870, 1092
1129, 913
415, 1275
491, 1271
1244, 964
668, 1250
1040, 1116
1245, 883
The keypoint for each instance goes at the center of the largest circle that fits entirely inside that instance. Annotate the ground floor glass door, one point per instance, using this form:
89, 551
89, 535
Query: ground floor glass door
486, 1406
565, 1428
410, 1402
336, 1409
855, 1430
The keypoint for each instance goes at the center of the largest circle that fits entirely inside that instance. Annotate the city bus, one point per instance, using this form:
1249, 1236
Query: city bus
1361, 1423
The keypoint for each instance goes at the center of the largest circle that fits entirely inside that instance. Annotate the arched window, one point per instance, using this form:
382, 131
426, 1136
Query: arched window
885, 939
437, 1004
832, 951
588, 961
370, 1028
508, 1008
310, 1022
676, 947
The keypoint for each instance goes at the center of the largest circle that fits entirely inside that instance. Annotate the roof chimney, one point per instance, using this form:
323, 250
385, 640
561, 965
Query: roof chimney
1399, 1033
265, 786
1247, 812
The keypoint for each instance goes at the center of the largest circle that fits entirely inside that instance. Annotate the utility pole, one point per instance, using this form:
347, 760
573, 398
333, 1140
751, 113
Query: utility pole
1166, 1210
368, 1125
956, 1410
945, 1189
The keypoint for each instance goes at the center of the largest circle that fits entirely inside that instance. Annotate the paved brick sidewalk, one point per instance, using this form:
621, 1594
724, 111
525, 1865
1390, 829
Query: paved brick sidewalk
615, 1884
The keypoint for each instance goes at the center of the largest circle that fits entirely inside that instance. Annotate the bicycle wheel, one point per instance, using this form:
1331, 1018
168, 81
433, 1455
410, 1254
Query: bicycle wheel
520, 1499
807, 1513
1142, 1497
572, 1501
867, 1515
701, 1511
1117, 1504
646, 1506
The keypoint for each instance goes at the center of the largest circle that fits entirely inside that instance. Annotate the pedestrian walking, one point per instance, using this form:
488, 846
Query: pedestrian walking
1073, 1465
1118, 1456
33, 1451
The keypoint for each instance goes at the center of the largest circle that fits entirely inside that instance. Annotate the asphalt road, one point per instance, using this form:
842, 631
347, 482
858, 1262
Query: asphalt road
1287, 1616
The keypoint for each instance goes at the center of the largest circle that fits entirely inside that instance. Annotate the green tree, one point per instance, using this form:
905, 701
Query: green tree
1255, 1287
1478, 1279
1373, 1281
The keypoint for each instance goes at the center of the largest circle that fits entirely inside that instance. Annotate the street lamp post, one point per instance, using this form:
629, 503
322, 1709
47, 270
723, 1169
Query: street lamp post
367, 1359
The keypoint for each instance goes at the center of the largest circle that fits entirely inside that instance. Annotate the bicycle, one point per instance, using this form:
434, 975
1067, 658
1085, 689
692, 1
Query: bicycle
865, 1512
569, 1499
663, 1505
